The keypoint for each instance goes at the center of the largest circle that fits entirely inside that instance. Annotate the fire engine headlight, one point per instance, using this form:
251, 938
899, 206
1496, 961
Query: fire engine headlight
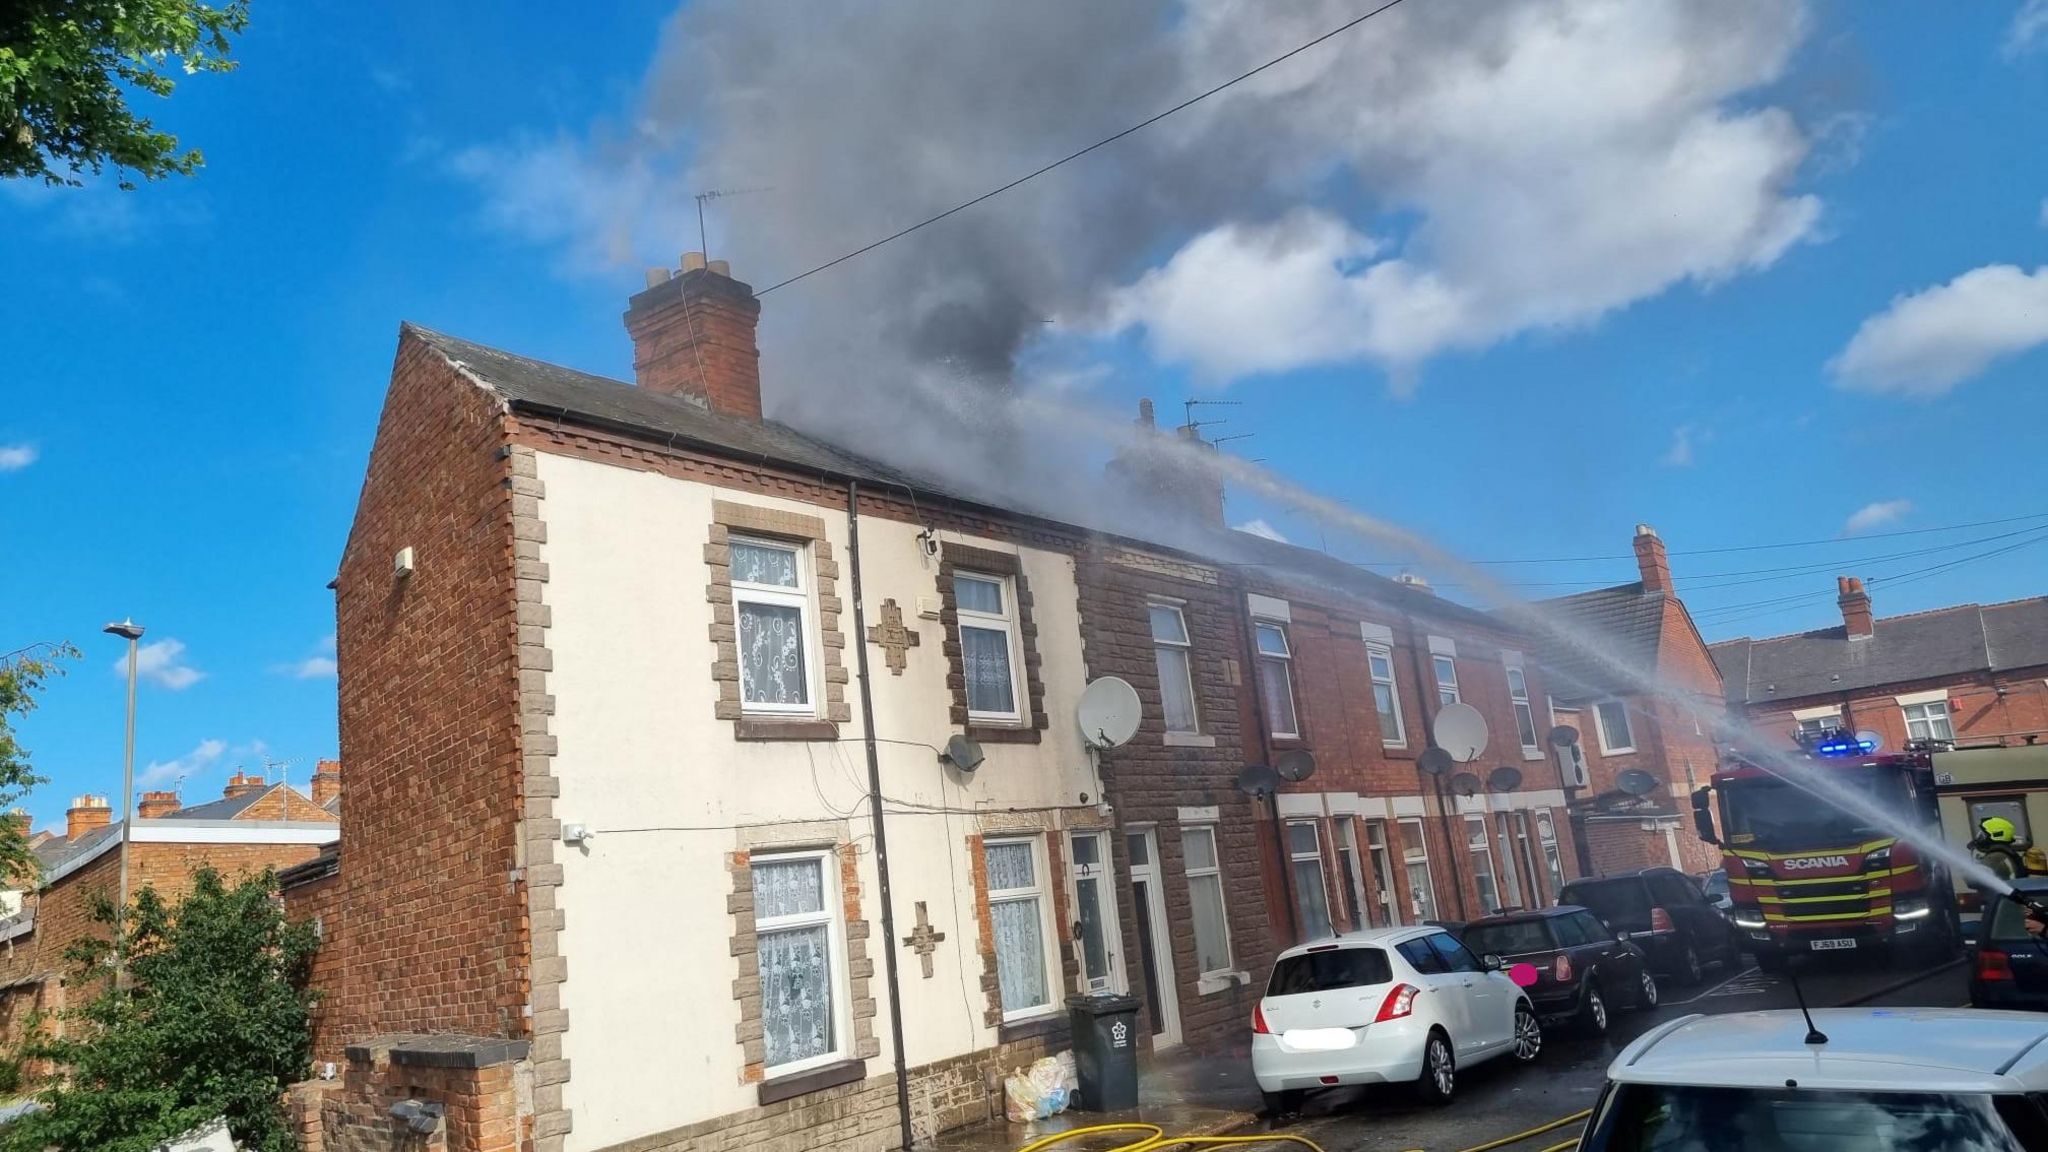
1748, 917
1880, 859
1757, 867
1911, 908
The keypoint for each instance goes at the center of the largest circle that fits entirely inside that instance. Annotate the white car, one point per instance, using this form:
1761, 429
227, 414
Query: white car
1884, 1080
1385, 1006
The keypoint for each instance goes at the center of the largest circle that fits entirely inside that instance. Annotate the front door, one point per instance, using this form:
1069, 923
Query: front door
1155, 943
1095, 928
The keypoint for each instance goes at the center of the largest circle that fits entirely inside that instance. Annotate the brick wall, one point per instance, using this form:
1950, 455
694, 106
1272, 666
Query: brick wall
1150, 779
285, 803
433, 892
320, 900
474, 1082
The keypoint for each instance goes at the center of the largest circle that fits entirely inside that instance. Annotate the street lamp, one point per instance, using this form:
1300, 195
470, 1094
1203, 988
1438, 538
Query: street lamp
132, 632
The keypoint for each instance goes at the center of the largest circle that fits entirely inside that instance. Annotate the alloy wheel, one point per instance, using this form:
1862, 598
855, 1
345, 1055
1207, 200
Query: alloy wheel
1596, 1010
1528, 1035
1440, 1069
1649, 989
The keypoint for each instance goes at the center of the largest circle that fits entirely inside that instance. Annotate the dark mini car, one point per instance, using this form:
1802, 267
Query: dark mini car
1583, 970
1666, 915
2009, 965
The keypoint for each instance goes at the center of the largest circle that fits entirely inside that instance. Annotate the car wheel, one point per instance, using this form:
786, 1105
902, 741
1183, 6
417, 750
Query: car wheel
1593, 1013
1528, 1034
1279, 1104
1689, 966
1439, 1077
1646, 992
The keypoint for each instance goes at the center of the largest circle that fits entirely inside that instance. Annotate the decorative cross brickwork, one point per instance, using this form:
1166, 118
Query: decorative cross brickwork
923, 940
894, 638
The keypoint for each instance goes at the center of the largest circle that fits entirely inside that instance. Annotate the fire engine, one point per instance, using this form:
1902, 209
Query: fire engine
1808, 877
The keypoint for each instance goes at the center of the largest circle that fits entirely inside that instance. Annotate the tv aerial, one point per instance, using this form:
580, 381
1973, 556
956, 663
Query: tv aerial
1108, 712
704, 245
1461, 731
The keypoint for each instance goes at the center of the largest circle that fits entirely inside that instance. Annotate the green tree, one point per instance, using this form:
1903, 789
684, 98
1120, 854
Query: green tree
22, 675
67, 66
213, 1023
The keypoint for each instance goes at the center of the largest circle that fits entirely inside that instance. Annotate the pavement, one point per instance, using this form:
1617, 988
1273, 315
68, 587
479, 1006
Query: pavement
1186, 1095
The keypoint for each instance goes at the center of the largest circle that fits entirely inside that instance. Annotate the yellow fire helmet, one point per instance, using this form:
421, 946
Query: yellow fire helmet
1998, 830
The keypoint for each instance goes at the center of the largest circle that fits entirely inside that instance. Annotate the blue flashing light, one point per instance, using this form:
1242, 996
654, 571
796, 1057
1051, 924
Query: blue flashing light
1845, 746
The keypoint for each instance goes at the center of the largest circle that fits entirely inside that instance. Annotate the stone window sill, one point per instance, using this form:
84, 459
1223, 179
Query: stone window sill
1210, 985
1189, 740
762, 728
815, 1080
1052, 1023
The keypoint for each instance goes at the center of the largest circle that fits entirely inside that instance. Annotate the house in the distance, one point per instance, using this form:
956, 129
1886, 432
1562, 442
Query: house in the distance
1637, 683
1974, 674
255, 826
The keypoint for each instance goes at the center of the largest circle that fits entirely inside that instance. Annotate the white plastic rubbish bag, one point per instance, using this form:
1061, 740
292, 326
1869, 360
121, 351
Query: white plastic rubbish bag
1039, 1091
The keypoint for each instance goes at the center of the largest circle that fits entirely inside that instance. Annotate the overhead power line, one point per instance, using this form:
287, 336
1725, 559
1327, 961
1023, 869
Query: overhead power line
1732, 613
1073, 156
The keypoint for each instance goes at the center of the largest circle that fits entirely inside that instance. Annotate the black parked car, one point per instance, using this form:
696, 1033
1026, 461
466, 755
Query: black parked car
1583, 970
1665, 914
2008, 964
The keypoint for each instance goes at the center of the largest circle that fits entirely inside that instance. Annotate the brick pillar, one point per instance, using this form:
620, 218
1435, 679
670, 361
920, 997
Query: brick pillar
1855, 605
86, 814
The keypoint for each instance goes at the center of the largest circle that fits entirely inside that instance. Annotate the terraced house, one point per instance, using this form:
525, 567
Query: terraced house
712, 785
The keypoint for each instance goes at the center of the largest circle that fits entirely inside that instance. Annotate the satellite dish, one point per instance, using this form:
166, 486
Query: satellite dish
1505, 778
1258, 781
1295, 766
1434, 761
962, 753
1563, 736
1869, 740
1108, 712
1461, 731
1465, 784
1636, 782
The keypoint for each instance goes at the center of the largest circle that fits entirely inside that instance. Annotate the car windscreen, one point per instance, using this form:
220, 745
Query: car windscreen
1329, 971
1655, 1118
1716, 884
1616, 901
2009, 921
1510, 938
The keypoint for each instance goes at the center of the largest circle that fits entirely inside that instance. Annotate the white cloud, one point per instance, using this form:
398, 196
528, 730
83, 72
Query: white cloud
160, 772
1877, 515
1262, 529
2029, 28
15, 457
1926, 343
1680, 454
318, 666
162, 663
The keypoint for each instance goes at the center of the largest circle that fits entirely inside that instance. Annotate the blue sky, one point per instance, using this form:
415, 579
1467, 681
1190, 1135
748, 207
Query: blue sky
195, 368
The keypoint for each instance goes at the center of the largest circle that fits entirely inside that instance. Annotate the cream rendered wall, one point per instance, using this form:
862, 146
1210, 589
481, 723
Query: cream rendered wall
643, 762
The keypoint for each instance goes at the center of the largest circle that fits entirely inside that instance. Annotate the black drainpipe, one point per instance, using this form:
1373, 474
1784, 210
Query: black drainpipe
1425, 684
1251, 648
867, 723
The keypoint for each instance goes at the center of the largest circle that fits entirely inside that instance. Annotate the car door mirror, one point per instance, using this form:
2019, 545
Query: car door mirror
1492, 962
1623, 937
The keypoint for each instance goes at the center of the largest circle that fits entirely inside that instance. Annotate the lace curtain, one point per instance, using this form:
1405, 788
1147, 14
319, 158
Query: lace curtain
1212, 935
772, 654
1315, 899
796, 961
759, 564
985, 657
1020, 953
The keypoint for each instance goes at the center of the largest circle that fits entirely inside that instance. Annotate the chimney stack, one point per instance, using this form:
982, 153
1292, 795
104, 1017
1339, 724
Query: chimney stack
694, 335
1855, 604
243, 783
157, 805
87, 813
1168, 477
326, 782
1415, 580
1651, 561
21, 820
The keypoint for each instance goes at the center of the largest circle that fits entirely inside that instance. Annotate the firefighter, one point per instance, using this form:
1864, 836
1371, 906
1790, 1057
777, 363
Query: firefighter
1998, 848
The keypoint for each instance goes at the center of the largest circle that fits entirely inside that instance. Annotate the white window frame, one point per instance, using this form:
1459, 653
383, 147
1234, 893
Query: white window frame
1480, 849
1821, 723
1553, 856
1519, 697
1186, 648
1050, 973
1351, 862
1415, 850
1927, 717
1375, 650
1315, 857
1006, 623
1508, 881
1446, 690
1380, 858
1608, 747
834, 918
1222, 896
1285, 662
775, 595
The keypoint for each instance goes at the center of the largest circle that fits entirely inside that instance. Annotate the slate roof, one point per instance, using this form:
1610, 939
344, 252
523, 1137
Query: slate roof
1627, 620
1947, 642
542, 390
232, 807
58, 851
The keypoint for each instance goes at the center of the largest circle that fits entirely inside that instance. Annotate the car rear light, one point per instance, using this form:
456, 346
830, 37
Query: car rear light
1561, 969
1399, 1002
1993, 965
1259, 1021
1660, 920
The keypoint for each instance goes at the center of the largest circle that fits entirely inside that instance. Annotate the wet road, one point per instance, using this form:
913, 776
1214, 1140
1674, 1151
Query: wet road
1497, 1099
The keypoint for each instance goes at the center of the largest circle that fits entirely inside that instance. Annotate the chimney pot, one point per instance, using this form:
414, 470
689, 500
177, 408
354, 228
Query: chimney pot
157, 805
1652, 562
326, 782
694, 335
1145, 412
693, 261
88, 813
720, 267
243, 783
1855, 604
657, 277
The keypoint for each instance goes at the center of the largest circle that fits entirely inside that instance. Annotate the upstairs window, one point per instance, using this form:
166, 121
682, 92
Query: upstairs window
1386, 695
1446, 679
771, 602
1525, 715
1929, 721
1612, 717
988, 636
1276, 685
1170, 650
